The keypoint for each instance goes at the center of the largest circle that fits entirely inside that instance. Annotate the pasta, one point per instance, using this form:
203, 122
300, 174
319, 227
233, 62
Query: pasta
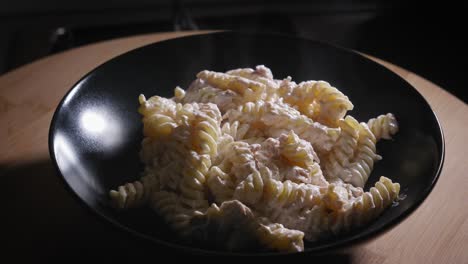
134, 194
241, 160
352, 158
319, 101
383, 126
236, 226
274, 119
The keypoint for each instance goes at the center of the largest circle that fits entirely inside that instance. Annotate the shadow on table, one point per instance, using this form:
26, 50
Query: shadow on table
42, 222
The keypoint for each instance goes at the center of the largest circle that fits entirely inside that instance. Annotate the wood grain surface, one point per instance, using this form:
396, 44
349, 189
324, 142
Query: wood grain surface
41, 221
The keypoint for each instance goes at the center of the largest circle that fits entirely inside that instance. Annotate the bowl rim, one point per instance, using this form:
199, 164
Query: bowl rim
350, 241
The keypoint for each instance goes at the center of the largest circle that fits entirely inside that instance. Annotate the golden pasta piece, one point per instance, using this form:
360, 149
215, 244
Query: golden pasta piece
249, 89
230, 82
158, 126
364, 158
343, 151
319, 101
383, 126
201, 92
277, 237
134, 194
262, 75
179, 93
275, 119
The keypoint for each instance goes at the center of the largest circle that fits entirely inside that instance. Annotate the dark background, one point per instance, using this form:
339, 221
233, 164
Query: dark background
426, 38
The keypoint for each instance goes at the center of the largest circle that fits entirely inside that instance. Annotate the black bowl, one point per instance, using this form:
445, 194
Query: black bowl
96, 131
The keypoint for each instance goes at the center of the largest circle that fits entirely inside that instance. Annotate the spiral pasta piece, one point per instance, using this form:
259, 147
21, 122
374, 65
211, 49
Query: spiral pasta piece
247, 178
319, 101
262, 75
343, 151
250, 190
179, 94
192, 186
366, 207
133, 194
237, 227
158, 116
167, 204
201, 92
276, 119
277, 237
296, 206
283, 196
255, 75
365, 156
156, 105
220, 185
383, 126
249, 89
260, 72
236, 130
304, 161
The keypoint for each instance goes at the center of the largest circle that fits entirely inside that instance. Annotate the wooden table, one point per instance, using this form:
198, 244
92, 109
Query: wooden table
42, 221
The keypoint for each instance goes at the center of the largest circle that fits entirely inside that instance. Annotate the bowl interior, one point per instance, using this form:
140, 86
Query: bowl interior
96, 132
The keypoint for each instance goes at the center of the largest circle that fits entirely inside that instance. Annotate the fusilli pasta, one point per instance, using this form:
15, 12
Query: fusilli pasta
243, 160
319, 101
383, 126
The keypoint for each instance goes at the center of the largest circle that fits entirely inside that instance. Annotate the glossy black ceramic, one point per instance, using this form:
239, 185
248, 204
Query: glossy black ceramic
96, 131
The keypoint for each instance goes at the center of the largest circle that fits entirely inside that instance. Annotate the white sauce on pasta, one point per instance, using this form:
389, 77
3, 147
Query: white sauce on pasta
241, 159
